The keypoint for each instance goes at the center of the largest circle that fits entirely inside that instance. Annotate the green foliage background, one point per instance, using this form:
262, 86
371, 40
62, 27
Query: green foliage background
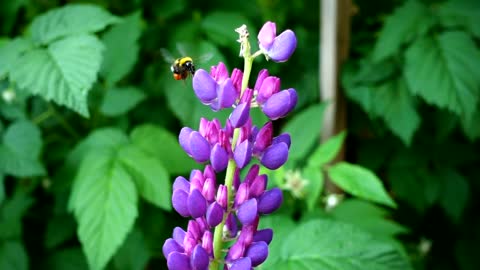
90, 113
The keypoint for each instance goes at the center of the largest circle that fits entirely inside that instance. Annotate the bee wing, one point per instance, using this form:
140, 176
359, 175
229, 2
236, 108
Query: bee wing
205, 57
181, 49
167, 56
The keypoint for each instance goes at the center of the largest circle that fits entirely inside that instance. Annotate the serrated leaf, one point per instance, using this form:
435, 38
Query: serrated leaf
327, 244
396, 106
314, 188
304, 129
163, 145
13, 255
72, 19
63, 72
397, 29
118, 101
121, 42
10, 51
19, 152
360, 182
445, 71
220, 26
149, 175
392, 102
464, 13
134, 253
327, 151
104, 201
102, 138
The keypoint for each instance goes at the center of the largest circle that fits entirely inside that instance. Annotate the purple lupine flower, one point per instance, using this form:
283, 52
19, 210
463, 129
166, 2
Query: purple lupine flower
216, 89
232, 147
278, 48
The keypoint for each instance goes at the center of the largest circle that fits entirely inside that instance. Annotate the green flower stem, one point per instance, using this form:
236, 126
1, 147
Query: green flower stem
217, 264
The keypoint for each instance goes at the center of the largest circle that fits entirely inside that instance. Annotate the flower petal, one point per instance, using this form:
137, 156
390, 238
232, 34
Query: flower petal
275, 156
270, 201
265, 235
214, 214
178, 261
184, 139
199, 258
243, 154
266, 35
242, 264
204, 86
258, 252
181, 183
283, 46
270, 86
170, 246
199, 147
219, 158
197, 204
280, 104
179, 202
247, 212
240, 115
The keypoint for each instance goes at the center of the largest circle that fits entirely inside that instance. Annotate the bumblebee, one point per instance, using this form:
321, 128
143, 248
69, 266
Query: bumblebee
181, 67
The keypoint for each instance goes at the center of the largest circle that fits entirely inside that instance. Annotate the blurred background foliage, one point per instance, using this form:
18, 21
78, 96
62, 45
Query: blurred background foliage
412, 83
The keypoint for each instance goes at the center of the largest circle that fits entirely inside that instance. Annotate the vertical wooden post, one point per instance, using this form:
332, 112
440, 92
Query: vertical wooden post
335, 39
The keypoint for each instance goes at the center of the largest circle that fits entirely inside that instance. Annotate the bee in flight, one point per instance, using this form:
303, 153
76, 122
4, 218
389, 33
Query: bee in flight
181, 67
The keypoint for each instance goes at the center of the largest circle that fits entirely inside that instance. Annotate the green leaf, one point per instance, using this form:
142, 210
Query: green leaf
392, 102
398, 30
314, 189
69, 20
134, 253
470, 127
327, 244
121, 42
11, 213
118, 101
464, 13
368, 216
104, 201
163, 145
445, 71
220, 26
10, 51
22, 144
454, 193
13, 256
360, 182
396, 106
63, 72
327, 151
67, 259
149, 175
304, 129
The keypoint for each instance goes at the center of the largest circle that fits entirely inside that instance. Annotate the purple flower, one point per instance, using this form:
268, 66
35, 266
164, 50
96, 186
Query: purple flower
278, 48
280, 104
232, 147
216, 89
